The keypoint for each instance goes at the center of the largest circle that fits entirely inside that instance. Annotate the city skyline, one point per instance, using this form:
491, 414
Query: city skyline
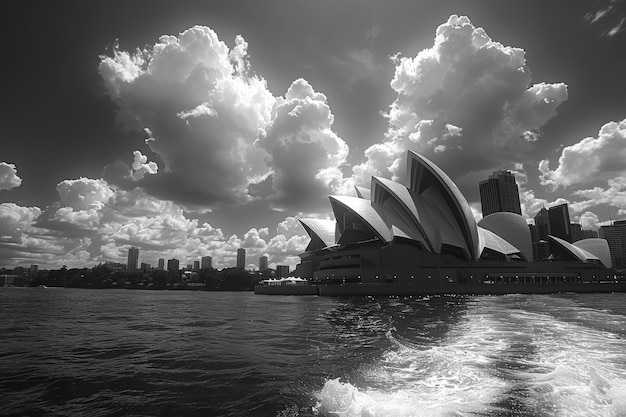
198, 129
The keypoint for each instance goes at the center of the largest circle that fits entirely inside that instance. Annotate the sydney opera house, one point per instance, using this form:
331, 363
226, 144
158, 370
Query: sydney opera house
422, 238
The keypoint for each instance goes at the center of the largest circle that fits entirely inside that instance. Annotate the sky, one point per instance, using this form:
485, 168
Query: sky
193, 128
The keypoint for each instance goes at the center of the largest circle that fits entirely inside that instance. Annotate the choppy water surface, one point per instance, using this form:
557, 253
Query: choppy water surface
161, 353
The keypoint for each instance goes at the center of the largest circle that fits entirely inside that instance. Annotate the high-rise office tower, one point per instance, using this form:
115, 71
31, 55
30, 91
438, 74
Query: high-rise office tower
173, 265
282, 271
133, 258
539, 234
542, 224
615, 235
241, 258
207, 262
196, 265
576, 231
579, 234
161, 264
499, 193
558, 217
262, 263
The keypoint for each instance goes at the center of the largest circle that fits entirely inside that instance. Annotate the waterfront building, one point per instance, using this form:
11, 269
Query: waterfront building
133, 258
541, 250
114, 266
579, 234
145, 267
173, 265
615, 234
558, 217
543, 225
241, 258
161, 266
499, 193
422, 238
282, 271
576, 231
262, 263
539, 234
207, 262
196, 265
589, 234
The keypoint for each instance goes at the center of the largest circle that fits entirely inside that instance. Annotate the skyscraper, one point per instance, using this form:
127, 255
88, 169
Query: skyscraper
262, 263
133, 258
579, 234
241, 258
543, 225
615, 235
539, 233
499, 193
196, 265
558, 217
282, 271
207, 262
173, 265
161, 264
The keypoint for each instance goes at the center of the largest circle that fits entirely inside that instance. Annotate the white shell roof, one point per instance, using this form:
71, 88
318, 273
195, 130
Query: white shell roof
490, 240
362, 192
459, 206
403, 196
433, 211
575, 251
511, 227
365, 211
322, 229
597, 247
448, 229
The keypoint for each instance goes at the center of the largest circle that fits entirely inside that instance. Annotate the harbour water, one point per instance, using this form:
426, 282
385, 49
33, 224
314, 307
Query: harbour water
74, 352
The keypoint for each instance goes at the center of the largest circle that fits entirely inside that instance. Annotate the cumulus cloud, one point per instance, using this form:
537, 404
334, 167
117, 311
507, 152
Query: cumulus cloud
589, 221
598, 163
202, 111
614, 194
15, 220
467, 97
305, 154
141, 166
8, 176
94, 222
220, 133
21, 241
84, 193
589, 160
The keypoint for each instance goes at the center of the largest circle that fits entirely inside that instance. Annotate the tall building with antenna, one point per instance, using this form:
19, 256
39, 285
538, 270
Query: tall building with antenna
499, 193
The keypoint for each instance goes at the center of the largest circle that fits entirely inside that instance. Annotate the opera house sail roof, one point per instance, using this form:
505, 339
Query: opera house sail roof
425, 231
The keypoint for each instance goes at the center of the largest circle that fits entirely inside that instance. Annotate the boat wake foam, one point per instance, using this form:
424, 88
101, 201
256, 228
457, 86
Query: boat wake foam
497, 359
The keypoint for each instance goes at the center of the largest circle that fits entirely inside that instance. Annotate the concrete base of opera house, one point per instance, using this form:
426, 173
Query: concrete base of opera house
399, 289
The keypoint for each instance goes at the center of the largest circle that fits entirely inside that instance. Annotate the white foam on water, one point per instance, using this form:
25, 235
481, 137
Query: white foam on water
581, 370
505, 352
451, 378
